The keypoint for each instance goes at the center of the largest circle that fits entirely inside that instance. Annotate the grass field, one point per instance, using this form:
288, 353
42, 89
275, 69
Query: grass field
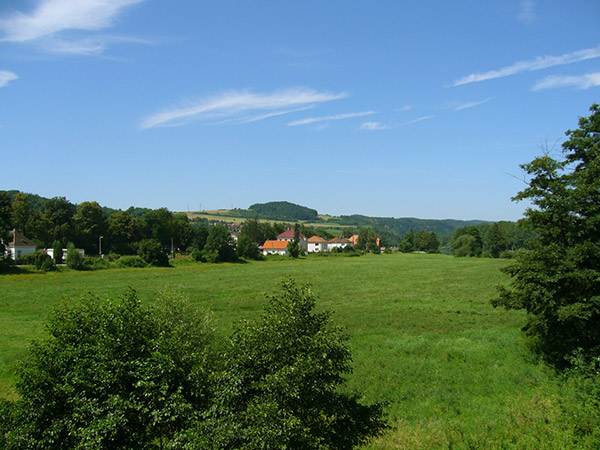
425, 340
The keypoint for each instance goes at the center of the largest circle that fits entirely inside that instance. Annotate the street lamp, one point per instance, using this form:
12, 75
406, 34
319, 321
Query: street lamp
100, 246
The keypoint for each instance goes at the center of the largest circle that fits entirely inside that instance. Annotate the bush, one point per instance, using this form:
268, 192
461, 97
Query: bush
112, 376
130, 261
151, 251
74, 258
95, 263
42, 261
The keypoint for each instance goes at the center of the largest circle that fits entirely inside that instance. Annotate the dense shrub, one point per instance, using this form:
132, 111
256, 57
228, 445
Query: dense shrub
74, 258
151, 251
130, 261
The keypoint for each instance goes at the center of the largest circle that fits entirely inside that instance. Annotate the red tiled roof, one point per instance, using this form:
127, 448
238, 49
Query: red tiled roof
339, 240
289, 234
275, 245
317, 240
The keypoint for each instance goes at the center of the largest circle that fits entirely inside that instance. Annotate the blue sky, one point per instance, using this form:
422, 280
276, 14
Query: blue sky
383, 108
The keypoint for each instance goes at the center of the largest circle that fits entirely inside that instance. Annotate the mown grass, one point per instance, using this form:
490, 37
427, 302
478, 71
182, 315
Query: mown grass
451, 369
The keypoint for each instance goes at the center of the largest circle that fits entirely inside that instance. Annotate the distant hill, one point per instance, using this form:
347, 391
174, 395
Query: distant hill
284, 211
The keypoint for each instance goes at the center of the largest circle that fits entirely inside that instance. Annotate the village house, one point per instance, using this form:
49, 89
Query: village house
289, 237
272, 247
317, 244
20, 245
338, 242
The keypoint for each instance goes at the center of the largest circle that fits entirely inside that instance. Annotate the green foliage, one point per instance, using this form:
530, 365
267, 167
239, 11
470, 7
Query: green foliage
279, 388
151, 251
408, 242
5, 227
130, 261
90, 224
43, 262
283, 211
112, 376
558, 281
57, 252
246, 248
220, 240
467, 241
426, 241
74, 258
123, 231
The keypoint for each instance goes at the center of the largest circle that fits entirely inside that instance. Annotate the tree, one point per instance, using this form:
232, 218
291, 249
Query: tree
152, 251
113, 376
246, 248
495, 240
21, 212
158, 225
5, 227
467, 246
74, 258
220, 240
558, 281
294, 245
426, 241
57, 215
57, 252
280, 386
408, 242
90, 224
123, 231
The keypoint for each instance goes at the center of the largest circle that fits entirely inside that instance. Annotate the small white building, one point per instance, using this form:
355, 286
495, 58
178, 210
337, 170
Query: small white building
338, 242
20, 245
271, 247
317, 244
50, 252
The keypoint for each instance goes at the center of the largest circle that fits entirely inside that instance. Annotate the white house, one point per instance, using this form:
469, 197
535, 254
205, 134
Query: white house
20, 245
289, 236
271, 247
338, 242
317, 244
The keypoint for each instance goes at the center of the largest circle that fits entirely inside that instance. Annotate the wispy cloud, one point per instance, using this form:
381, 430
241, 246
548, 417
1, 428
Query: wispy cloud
374, 126
238, 106
576, 81
6, 77
310, 120
377, 126
527, 12
541, 62
468, 105
420, 119
47, 23
404, 108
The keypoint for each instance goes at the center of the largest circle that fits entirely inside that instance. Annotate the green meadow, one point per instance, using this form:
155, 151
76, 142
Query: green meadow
452, 371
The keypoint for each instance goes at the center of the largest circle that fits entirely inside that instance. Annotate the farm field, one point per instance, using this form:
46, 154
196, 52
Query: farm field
424, 338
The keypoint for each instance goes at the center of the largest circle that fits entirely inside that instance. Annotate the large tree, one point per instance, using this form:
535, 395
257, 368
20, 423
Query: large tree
90, 226
558, 281
280, 385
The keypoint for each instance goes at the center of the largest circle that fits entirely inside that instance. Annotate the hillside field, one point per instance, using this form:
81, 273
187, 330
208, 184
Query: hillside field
424, 338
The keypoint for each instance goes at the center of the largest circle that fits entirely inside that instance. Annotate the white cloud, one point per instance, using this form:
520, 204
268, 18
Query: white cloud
374, 126
236, 106
6, 77
577, 81
420, 119
541, 62
48, 23
310, 120
527, 13
468, 105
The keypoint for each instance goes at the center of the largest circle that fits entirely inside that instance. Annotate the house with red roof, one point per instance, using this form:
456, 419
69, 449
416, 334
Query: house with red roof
338, 242
289, 237
273, 247
317, 244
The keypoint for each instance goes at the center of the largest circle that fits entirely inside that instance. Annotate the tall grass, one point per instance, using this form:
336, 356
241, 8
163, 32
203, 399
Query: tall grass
425, 340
